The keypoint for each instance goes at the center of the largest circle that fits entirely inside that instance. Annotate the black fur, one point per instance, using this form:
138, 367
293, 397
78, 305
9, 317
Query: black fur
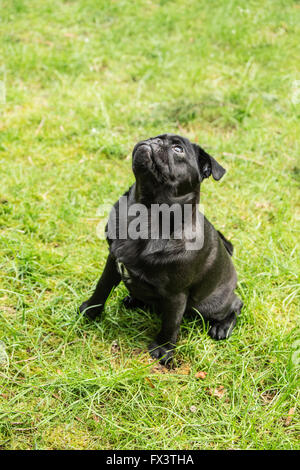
163, 273
228, 245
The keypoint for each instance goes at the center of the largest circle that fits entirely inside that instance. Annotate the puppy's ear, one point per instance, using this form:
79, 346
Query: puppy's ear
208, 165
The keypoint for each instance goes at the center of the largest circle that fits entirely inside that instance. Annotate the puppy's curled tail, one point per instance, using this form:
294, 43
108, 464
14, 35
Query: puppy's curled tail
227, 244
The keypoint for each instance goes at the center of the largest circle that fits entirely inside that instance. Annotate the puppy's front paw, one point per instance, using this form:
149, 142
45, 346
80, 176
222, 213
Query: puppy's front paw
223, 329
163, 353
90, 311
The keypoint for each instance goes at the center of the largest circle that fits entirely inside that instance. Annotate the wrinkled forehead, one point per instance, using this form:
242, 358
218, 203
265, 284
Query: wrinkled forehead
174, 139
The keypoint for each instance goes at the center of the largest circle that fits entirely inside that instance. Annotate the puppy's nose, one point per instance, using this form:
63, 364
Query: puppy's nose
142, 148
145, 148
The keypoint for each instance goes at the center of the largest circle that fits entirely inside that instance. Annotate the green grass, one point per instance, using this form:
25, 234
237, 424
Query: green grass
85, 80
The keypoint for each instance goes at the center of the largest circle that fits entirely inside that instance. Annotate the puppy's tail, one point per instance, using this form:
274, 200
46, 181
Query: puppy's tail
227, 244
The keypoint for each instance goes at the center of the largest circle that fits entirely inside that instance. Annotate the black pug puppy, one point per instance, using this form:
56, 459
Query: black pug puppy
164, 271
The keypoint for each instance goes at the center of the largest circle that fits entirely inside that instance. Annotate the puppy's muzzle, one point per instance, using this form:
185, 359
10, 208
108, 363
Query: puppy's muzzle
149, 156
142, 148
142, 156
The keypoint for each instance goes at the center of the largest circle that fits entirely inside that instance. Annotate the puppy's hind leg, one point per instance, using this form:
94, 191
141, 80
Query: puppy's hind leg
132, 303
222, 329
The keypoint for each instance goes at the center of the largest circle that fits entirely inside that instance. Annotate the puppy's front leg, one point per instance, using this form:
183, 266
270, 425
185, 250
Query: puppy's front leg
172, 312
110, 278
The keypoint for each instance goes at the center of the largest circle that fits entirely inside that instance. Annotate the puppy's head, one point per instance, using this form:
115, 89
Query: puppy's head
171, 163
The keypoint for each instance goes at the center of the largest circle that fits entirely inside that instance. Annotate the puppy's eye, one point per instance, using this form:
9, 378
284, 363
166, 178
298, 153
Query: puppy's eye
178, 148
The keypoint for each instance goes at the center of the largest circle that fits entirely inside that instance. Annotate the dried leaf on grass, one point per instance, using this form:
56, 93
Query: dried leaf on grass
96, 418
149, 382
201, 375
218, 392
290, 416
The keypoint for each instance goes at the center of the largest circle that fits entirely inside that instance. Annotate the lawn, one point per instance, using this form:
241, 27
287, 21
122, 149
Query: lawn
80, 83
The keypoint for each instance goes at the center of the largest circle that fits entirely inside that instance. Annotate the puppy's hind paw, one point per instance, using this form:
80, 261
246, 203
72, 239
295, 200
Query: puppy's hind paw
90, 311
163, 353
131, 303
